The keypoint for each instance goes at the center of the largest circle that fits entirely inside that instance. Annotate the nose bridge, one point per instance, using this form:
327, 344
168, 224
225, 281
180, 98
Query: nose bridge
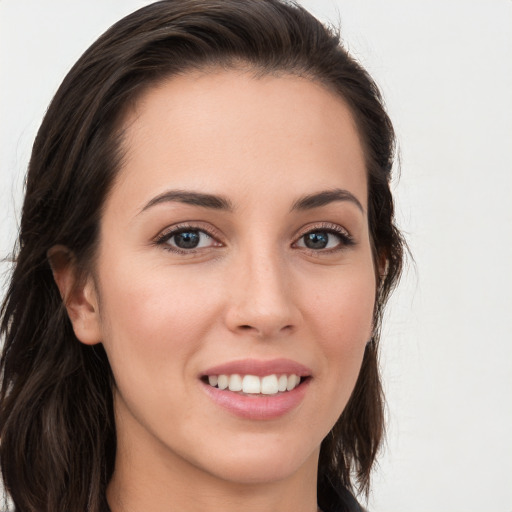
262, 300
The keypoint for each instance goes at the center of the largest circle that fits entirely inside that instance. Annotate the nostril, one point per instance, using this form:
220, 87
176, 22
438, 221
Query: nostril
250, 328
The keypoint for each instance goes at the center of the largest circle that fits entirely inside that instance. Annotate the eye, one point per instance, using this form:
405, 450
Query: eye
318, 240
187, 239
325, 239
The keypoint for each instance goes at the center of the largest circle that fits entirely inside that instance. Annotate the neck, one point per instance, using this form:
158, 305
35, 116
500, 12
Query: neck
154, 492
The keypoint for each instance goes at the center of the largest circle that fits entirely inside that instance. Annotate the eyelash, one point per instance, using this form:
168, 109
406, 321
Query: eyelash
164, 237
346, 240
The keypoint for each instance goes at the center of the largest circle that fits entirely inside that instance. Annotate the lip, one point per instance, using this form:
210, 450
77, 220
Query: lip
260, 368
261, 407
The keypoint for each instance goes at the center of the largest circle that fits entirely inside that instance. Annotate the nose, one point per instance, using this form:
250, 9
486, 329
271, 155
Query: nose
262, 301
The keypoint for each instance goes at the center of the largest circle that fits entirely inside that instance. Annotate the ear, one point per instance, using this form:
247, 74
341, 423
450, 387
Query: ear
78, 294
383, 267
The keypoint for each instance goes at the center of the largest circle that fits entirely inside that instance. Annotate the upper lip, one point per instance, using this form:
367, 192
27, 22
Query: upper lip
259, 368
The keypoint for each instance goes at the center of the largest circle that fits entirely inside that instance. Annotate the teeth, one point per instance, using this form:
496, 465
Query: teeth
251, 384
269, 385
281, 383
235, 383
223, 381
293, 380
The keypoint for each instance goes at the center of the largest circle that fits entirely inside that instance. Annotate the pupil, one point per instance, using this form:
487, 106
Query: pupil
187, 239
316, 240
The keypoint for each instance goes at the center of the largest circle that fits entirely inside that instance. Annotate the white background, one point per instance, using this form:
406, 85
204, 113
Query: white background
445, 68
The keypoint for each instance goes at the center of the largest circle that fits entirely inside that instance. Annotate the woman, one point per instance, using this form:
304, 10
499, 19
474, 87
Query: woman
207, 242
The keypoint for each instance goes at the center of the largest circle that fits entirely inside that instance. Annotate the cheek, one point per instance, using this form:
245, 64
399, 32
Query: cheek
154, 319
343, 309
342, 316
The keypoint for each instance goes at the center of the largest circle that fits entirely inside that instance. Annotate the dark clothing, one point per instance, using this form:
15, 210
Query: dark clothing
335, 498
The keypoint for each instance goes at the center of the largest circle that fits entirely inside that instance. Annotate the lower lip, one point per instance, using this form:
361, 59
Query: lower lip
266, 407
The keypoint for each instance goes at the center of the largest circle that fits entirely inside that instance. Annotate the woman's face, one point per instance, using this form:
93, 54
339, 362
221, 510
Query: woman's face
234, 249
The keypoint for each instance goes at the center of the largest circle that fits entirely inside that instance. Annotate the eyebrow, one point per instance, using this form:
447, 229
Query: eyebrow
324, 198
216, 202
194, 198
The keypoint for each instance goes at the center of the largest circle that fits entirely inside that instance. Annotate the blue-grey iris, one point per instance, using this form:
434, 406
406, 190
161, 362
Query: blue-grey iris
316, 240
187, 239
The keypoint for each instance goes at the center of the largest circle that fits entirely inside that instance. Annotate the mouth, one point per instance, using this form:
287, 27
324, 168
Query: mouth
257, 390
254, 385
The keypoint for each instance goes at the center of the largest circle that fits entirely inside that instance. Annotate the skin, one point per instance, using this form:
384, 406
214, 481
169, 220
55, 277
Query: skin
253, 290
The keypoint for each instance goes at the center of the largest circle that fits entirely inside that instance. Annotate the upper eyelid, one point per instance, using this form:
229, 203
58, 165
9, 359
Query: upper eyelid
174, 229
328, 226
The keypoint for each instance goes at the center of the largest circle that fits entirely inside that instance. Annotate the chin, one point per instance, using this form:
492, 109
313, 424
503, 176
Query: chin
264, 464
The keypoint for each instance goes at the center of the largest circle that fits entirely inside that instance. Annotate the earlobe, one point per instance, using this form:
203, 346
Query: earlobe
78, 295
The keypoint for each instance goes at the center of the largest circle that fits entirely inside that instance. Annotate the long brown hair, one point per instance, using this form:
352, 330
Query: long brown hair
57, 430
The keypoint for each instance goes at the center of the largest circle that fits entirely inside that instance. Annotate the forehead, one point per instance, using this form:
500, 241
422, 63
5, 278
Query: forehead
223, 129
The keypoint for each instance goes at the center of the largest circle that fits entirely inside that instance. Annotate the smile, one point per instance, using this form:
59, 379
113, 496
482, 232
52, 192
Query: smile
254, 385
257, 390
